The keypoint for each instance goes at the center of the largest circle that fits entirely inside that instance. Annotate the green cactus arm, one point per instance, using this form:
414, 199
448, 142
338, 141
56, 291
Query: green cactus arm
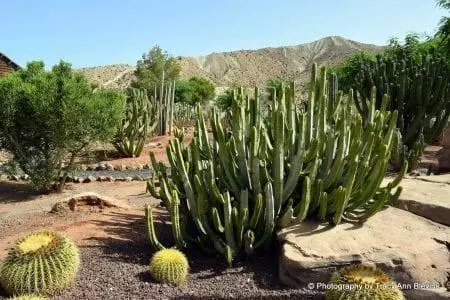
151, 229
257, 211
216, 220
301, 209
228, 225
175, 217
339, 205
269, 215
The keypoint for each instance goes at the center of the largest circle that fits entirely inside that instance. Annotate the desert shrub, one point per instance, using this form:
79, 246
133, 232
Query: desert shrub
194, 91
229, 192
48, 117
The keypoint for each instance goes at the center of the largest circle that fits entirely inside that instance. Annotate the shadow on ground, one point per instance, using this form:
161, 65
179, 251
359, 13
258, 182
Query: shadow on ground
127, 241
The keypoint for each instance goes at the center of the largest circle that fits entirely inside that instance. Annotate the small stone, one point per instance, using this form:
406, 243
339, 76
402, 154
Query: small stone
69, 178
137, 178
24, 177
15, 177
89, 179
101, 178
100, 167
139, 167
128, 179
130, 167
109, 167
90, 168
109, 178
146, 167
78, 179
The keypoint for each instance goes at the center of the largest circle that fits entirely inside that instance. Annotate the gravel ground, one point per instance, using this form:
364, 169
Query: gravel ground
116, 267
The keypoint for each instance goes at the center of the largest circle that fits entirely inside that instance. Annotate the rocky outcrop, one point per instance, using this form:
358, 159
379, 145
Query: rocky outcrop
409, 248
89, 199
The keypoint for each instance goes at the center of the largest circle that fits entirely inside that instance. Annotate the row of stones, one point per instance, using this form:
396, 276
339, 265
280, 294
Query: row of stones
76, 179
109, 167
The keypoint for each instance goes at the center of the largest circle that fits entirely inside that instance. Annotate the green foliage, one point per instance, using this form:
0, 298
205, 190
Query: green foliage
351, 66
275, 85
139, 121
49, 117
228, 192
155, 67
365, 283
418, 89
443, 34
194, 91
413, 47
169, 266
42, 263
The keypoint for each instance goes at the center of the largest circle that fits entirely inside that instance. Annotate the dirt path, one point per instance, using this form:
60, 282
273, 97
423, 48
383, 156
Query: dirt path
22, 211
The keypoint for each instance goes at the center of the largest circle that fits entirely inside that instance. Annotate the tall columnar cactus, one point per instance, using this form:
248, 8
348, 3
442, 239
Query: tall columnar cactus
163, 98
275, 168
419, 91
139, 121
41, 263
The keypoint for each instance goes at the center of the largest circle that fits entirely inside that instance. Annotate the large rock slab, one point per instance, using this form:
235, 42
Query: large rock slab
88, 199
409, 248
427, 196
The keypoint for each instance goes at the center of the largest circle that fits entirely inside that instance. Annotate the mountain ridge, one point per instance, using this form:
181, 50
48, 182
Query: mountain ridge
245, 67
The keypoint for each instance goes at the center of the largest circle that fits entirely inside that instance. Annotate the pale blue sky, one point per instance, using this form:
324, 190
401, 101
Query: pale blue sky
99, 32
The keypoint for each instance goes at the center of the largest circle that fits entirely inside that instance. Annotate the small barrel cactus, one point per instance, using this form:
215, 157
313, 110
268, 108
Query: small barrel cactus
169, 266
29, 297
362, 282
41, 263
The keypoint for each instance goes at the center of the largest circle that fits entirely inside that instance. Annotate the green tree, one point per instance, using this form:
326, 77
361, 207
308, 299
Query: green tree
413, 46
443, 34
350, 67
48, 118
195, 90
153, 67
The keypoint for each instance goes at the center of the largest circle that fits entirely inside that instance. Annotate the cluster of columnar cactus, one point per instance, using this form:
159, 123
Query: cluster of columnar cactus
267, 170
418, 90
139, 121
163, 98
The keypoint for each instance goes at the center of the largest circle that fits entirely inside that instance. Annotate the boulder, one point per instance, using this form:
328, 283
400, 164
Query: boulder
411, 249
446, 138
427, 196
443, 158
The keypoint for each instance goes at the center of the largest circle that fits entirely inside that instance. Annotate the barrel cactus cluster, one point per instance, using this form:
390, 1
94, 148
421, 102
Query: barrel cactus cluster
139, 121
418, 89
362, 282
230, 190
42, 263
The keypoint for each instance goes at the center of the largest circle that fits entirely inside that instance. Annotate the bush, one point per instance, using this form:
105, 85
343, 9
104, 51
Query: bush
194, 91
49, 117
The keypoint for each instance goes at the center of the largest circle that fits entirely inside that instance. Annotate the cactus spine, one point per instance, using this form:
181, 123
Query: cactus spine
419, 91
272, 169
138, 123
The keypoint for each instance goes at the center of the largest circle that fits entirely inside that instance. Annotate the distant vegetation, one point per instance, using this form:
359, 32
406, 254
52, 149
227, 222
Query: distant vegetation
49, 117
